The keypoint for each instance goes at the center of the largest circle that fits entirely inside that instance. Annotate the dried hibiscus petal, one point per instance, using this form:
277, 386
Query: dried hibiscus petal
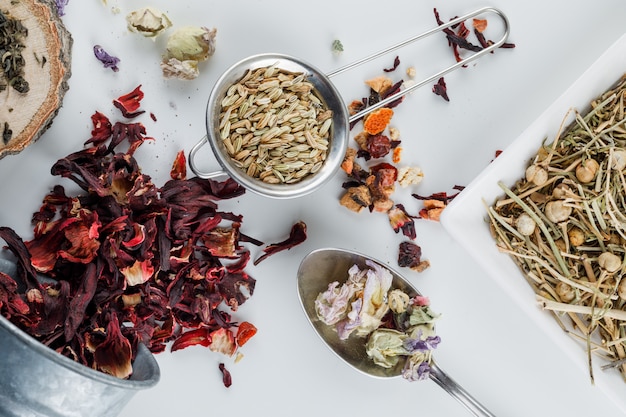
192, 338
113, 355
101, 129
226, 376
179, 167
296, 236
129, 103
401, 220
396, 63
441, 89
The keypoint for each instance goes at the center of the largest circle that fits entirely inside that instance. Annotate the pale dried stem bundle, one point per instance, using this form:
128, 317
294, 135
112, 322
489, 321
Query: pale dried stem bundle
574, 259
274, 127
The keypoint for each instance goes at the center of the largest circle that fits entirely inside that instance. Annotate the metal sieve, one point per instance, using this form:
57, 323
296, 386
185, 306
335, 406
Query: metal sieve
329, 96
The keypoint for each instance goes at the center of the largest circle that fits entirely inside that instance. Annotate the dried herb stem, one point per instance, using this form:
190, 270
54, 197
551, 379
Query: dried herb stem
596, 313
574, 255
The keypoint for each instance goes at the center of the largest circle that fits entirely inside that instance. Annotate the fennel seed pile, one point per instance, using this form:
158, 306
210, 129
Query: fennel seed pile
564, 224
274, 127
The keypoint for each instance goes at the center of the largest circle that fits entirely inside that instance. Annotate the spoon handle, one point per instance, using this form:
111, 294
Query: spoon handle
451, 387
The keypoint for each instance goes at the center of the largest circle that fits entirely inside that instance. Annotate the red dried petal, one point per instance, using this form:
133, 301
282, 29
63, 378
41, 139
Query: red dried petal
192, 338
226, 376
401, 220
296, 236
138, 273
244, 333
101, 129
179, 167
440, 89
231, 287
113, 356
83, 245
129, 103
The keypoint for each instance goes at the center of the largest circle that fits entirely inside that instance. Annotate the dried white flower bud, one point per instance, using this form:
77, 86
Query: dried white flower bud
191, 43
565, 292
525, 224
609, 262
536, 174
586, 171
557, 211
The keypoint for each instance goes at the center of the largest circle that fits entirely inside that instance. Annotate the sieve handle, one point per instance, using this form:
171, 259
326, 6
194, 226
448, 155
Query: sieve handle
192, 163
441, 73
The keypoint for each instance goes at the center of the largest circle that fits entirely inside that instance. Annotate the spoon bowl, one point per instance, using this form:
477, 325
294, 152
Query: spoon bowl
324, 266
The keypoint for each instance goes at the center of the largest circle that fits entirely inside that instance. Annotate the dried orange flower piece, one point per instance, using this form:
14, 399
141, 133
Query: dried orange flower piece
480, 25
380, 83
377, 121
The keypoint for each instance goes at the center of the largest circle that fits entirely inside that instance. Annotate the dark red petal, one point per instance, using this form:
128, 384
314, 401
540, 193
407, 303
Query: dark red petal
226, 377
297, 236
114, 355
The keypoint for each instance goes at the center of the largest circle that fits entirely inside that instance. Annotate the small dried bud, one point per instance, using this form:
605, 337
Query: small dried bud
557, 211
576, 236
565, 292
586, 171
609, 262
561, 191
525, 224
537, 175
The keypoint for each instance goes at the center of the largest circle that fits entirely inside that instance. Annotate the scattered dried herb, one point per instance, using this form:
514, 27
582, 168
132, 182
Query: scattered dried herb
459, 40
12, 38
563, 223
129, 262
107, 60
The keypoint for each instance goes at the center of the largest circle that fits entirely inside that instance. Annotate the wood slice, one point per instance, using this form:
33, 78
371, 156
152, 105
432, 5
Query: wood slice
47, 55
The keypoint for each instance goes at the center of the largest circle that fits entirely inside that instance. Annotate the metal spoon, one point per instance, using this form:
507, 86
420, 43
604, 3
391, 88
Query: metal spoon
323, 266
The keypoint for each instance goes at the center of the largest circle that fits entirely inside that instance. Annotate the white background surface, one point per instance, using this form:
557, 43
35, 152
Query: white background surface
488, 343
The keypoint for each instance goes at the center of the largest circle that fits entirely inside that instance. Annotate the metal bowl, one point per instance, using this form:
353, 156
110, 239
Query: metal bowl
39, 382
327, 93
